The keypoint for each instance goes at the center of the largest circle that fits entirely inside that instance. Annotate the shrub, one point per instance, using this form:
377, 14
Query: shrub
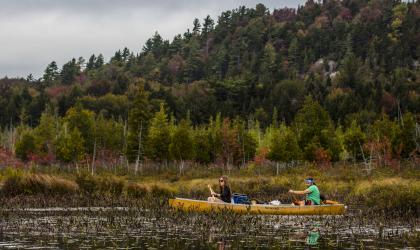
161, 190
393, 195
25, 146
32, 184
111, 185
136, 190
107, 185
88, 183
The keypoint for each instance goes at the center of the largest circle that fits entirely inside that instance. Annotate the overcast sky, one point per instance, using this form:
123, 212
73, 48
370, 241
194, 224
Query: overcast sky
35, 32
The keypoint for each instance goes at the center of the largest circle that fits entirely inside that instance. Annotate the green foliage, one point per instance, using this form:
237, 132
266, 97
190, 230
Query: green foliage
284, 146
100, 185
138, 122
84, 122
348, 60
69, 72
315, 130
46, 132
69, 146
395, 198
354, 138
182, 144
159, 137
406, 139
109, 134
202, 146
25, 145
51, 74
268, 64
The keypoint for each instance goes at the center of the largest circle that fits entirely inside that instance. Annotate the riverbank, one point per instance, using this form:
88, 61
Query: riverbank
382, 190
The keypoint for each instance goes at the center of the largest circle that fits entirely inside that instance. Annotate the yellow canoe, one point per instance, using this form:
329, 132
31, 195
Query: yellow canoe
189, 205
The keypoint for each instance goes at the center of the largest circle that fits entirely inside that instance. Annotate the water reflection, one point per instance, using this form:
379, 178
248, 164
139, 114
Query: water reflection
312, 238
122, 229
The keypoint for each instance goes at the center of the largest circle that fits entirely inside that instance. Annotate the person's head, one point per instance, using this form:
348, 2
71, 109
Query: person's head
309, 181
223, 181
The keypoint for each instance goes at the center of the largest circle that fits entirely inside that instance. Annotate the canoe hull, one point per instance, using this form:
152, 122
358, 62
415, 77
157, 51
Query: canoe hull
189, 205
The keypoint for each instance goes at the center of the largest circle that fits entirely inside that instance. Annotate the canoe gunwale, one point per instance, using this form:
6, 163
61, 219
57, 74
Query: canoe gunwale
191, 205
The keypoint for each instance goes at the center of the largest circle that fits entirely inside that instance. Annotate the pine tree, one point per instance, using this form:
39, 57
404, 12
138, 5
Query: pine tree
84, 121
284, 146
197, 26
202, 146
354, 138
268, 64
69, 146
50, 74
159, 136
91, 62
99, 61
294, 54
182, 146
69, 72
25, 145
208, 25
138, 123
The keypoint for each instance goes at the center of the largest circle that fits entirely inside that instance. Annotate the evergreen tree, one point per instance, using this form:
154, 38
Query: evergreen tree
138, 123
99, 61
69, 146
91, 62
354, 139
294, 54
26, 145
84, 121
202, 146
268, 64
197, 26
406, 139
208, 26
182, 145
69, 72
159, 137
50, 74
284, 146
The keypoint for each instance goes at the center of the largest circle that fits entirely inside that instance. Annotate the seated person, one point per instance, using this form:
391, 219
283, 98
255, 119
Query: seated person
325, 201
225, 194
312, 194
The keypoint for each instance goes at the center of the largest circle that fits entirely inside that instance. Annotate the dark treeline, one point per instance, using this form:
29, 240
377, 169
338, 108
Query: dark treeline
324, 82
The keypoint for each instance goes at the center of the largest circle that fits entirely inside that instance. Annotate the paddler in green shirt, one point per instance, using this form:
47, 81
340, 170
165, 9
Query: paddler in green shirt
312, 194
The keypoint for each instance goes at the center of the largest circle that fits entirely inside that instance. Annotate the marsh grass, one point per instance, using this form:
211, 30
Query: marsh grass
21, 183
383, 190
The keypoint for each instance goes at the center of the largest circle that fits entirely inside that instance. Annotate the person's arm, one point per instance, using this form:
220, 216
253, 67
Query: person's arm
307, 191
212, 192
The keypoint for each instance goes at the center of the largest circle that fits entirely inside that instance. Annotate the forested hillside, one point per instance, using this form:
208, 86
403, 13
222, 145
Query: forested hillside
329, 81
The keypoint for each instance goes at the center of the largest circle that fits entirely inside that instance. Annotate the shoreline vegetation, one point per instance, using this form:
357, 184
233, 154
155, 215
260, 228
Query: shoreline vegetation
328, 90
383, 191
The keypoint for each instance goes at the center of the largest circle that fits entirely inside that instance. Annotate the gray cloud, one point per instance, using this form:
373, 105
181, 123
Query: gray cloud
35, 32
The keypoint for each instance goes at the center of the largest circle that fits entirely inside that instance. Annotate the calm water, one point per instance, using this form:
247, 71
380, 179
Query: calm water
123, 228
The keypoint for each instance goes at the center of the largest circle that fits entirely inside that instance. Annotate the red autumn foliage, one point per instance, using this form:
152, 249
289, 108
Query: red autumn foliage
260, 157
388, 102
56, 91
284, 14
322, 158
7, 159
231, 152
345, 14
175, 65
81, 79
369, 14
381, 153
47, 159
